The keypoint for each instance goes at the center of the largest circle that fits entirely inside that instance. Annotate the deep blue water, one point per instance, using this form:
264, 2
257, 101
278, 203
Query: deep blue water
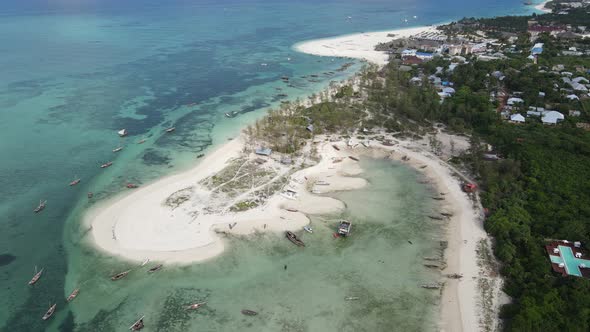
75, 71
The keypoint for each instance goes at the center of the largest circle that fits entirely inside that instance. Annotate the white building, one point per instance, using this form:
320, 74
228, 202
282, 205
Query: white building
552, 117
517, 118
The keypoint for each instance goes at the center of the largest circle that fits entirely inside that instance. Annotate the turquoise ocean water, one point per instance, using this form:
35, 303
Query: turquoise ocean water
73, 72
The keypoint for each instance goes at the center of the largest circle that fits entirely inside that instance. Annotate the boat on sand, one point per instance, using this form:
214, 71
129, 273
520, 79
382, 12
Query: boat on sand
308, 229
293, 238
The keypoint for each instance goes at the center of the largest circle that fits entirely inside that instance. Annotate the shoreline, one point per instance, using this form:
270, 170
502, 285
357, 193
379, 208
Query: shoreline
541, 7
358, 45
132, 231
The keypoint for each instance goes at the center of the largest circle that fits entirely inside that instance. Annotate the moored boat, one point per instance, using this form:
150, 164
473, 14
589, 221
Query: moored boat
49, 312
293, 238
344, 228
308, 229
73, 295
41, 206
105, 165
36, 276
195, 306
171, 129
118, 149
75, 182
137, 325
156, 268
131, 185
120, 275
147, 260
90, 194
141, 141
122, 132
249, 312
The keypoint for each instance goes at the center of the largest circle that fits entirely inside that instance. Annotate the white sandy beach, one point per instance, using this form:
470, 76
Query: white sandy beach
358, 46
541, 7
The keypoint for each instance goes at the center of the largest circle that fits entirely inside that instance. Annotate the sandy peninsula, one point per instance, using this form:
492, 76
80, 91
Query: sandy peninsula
359, 45
179, 220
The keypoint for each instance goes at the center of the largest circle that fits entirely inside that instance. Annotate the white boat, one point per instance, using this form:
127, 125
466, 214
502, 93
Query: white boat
122, 132
344, 228
147, 260
289, 194
308, 229
195, 306
118, 149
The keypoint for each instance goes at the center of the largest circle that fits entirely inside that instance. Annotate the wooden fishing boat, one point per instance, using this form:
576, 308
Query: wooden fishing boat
195, 306
249, 312
293, 238
353, 158
137, 325
292, 210
120, 275
75, 182
41, 206
156, 268
105, 165
131, 186
200, 155
49, 312
73, 295
90, 194
141, 141
336, 147
36, 276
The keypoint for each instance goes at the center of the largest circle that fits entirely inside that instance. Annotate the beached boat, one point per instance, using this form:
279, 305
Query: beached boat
249, 312
155, 268
36, 276
322, 183
120, 275
122, 132
344, 228
137, 325
336, 147
293, 238
118, 149
432, 286
351, 298
49, 312
40, 207
147, 260
195, 306
171, 129
73, 295
201, 155
131, 186
292, 210
308, 229
105, 165
76, 181
353, 158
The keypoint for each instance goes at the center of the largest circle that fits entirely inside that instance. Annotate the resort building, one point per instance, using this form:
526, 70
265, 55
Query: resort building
568, 259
